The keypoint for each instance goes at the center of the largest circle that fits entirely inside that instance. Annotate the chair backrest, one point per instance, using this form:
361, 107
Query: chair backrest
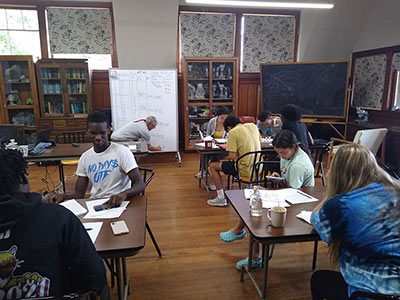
247, 119
368, 295
256, 157
69, 137
370, 138
147, 176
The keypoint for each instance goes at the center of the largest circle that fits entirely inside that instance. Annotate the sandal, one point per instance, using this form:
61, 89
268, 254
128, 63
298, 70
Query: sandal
229, 236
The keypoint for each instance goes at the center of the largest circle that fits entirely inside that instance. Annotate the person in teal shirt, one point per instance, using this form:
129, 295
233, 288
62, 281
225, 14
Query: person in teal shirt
297, 170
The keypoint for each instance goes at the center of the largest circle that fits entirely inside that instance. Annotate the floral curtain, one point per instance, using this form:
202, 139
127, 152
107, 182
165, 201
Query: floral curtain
267, 39
83, 31
369, 81
396, 62
210, 34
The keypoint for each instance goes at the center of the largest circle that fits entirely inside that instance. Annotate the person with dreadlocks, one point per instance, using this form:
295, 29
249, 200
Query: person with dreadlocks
44, 248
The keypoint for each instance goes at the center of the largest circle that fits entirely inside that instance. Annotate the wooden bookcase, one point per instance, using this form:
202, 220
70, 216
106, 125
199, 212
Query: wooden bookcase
19, 102
64, 93
207, 84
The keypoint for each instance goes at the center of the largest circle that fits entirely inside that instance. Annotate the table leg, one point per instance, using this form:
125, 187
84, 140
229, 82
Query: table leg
314, 262
119, 279
265, 271
61, 171
126, 279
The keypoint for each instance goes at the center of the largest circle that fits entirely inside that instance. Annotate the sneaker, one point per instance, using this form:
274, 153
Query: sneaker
212, 186
255, 263
200, 174
217, 202
229, 236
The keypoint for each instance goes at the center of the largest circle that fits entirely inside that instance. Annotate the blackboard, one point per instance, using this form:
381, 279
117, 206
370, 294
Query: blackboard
318, 88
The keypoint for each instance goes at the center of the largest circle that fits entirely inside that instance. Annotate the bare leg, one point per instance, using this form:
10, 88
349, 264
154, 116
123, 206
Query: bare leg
238, 228
256, 249
215, 168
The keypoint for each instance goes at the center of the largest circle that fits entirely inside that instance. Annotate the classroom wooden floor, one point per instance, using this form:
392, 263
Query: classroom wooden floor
196, 264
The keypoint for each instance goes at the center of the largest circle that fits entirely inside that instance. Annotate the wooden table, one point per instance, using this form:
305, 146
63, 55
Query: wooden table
205, 157
61, 152
260, 228
114, 249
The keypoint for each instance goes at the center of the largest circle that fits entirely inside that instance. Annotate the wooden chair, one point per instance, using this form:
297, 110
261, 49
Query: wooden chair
369, 295
252, 179
69, 137
317, 153
371, 139
247, 119
147, 175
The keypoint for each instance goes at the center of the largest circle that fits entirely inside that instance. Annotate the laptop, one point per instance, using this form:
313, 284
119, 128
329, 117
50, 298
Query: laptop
42, 136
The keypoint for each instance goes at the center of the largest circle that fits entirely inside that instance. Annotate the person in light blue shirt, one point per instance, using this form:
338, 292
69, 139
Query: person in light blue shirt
360, 220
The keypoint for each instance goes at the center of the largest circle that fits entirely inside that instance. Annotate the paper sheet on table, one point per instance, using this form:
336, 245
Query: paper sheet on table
203, 145
74, 207
93, 229
305, 215
293, 196
111, 213
221, 141
269, 198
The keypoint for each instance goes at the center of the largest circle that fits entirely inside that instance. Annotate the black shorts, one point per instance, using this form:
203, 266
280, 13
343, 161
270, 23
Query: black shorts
228, 167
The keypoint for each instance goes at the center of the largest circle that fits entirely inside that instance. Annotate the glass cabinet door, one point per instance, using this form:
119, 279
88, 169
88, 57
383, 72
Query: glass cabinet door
52, 91
198, 82
18, 93
222, 82
76, 88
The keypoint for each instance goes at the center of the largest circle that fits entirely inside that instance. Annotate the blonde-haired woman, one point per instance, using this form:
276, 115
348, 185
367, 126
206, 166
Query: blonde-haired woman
360, 220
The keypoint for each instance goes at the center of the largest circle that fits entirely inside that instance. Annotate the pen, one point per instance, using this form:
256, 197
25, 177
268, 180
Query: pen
87, 229
304, 194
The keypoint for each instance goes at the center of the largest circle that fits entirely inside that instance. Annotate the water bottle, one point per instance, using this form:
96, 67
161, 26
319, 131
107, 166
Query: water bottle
256, 203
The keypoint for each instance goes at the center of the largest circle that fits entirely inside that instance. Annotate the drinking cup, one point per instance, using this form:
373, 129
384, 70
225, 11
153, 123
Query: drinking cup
277, 215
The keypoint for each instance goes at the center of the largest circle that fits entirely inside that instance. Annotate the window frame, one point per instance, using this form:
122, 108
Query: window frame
239, 12
41, 6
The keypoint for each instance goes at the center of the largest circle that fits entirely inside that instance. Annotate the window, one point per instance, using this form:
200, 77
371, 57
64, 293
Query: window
19, 32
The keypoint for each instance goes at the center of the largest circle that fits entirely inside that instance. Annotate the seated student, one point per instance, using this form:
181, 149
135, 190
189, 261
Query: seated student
266, 125
291, 115
360, 220
44, 248
137, 130
242, 138
110, 167
215, 128
298, 171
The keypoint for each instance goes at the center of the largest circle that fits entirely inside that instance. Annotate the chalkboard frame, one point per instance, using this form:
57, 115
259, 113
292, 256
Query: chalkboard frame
345, 100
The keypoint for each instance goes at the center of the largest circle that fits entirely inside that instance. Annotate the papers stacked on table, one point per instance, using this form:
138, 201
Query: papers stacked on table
203, 145
269, 198
74, 207
111, 213
221, 141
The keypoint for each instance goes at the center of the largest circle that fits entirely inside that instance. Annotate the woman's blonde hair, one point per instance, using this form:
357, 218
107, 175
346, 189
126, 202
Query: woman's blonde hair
354, 167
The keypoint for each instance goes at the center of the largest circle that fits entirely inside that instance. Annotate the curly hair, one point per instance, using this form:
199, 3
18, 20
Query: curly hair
12, 171
291, 112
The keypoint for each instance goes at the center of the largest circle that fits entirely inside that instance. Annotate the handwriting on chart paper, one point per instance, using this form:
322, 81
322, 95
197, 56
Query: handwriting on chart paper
136, 94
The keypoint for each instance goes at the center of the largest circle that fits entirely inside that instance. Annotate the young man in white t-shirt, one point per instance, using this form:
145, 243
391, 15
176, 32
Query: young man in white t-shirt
137, 130
110, 167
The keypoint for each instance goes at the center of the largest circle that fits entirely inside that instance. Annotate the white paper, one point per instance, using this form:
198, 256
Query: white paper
221, 141
269, 198
93, 229
74, 206
305, 215
203, 145
300, 197
111, 213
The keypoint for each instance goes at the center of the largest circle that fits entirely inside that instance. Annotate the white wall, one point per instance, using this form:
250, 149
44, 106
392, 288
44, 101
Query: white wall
382, 26
146, 33
332, 34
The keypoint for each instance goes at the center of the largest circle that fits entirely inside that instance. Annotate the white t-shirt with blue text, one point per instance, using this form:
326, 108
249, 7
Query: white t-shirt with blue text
108, 170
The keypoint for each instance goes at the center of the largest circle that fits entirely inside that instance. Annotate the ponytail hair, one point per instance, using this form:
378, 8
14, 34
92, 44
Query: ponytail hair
286, 139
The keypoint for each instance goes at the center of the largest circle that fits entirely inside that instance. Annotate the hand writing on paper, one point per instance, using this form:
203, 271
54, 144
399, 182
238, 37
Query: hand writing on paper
116, 200
54, 198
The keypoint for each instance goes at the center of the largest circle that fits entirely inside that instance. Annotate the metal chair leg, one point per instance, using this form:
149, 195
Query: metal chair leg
153, 239
315, 255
